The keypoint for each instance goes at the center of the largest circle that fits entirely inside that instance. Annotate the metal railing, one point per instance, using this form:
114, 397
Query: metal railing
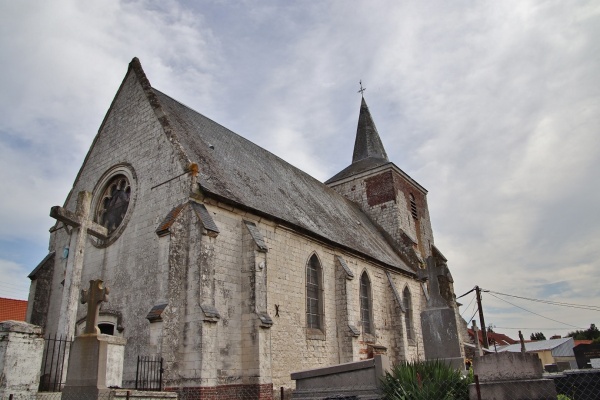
56, 350
149, 373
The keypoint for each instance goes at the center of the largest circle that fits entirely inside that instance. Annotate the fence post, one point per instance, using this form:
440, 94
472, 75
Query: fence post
160, 375
137, 372
477, 388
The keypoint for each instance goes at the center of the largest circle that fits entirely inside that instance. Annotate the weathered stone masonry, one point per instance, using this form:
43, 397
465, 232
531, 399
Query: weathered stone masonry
208, 266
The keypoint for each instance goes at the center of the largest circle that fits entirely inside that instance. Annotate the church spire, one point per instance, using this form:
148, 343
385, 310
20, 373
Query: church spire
367, 144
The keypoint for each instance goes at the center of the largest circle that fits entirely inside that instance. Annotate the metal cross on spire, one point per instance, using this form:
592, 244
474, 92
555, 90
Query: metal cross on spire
362, 89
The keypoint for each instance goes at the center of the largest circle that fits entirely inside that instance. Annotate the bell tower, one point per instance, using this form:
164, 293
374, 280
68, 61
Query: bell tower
386, 193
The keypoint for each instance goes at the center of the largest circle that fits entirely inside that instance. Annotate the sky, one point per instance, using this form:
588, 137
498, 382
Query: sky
493, 106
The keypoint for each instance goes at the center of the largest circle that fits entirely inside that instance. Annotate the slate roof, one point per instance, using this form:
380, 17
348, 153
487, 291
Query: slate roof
560, 347
13, 310
368, 152
368, 143
236, 170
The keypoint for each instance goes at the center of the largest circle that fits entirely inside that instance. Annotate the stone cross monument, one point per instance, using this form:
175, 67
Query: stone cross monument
82, 226
94, 297
95, 360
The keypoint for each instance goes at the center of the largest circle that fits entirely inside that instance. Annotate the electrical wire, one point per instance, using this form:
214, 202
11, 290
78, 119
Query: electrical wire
467, 307
533, 329
463, 295
539, 315
473, 316
555, 303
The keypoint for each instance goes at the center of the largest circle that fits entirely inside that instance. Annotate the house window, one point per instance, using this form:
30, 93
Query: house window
365, 303
408, 320
314, 296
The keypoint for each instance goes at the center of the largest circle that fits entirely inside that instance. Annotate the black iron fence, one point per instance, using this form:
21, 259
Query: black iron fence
56, 350
149, 373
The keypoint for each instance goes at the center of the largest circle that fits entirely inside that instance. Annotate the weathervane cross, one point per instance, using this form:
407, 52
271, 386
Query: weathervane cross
362, 89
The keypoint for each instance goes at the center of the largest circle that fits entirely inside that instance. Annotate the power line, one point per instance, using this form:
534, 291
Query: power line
555, 303
473, 316
467, 307
533, 329
539, 315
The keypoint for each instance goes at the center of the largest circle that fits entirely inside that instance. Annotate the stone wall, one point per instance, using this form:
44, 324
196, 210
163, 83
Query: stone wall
131, 266
384, 194
188, 269
292, 347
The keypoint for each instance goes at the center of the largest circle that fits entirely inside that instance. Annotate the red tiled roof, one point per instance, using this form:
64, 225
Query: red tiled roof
11, 309
578, 342
500, 338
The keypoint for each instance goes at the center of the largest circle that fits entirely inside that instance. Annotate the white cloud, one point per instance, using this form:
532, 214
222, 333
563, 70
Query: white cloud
492, 106
12, 284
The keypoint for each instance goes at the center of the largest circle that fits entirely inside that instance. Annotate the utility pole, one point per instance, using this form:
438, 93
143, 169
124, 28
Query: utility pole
481, 320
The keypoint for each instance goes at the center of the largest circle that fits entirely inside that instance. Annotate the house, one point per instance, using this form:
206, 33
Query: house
234, 266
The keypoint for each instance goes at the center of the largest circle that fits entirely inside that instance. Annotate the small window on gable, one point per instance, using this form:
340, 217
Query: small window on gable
366, 303
408, 312
314, 294
413, 206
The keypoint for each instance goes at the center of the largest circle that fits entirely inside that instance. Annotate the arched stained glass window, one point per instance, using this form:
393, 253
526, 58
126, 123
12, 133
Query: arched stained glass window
314, 295
366, 303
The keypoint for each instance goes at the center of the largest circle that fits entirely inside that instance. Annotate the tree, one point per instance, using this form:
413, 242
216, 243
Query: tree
589, 334
537, 336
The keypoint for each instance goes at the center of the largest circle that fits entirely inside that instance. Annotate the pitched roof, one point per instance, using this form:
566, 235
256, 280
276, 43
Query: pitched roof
368, 152
500, 338
563, 345
368, 143
11, 309
239, 172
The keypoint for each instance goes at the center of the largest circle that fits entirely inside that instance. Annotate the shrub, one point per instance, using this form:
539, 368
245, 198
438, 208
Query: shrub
426, 380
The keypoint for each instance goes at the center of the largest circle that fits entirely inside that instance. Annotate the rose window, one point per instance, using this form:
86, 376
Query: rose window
114, 202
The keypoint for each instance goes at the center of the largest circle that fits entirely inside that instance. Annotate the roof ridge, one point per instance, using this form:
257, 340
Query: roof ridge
160, 113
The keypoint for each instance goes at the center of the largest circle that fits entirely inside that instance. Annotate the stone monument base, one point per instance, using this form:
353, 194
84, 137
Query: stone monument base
535, 389
95, 364
508, 376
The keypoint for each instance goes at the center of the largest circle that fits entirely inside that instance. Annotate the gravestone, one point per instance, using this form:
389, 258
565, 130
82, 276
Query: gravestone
438, 320
95, 360
587, 355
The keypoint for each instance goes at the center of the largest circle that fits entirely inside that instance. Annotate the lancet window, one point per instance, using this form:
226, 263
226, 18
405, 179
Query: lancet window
314, 294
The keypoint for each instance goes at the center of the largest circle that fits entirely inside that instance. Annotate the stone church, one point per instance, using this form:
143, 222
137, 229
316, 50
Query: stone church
234, 266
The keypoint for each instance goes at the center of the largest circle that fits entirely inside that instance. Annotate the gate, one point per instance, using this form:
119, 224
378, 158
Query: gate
149, 373
56, 349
